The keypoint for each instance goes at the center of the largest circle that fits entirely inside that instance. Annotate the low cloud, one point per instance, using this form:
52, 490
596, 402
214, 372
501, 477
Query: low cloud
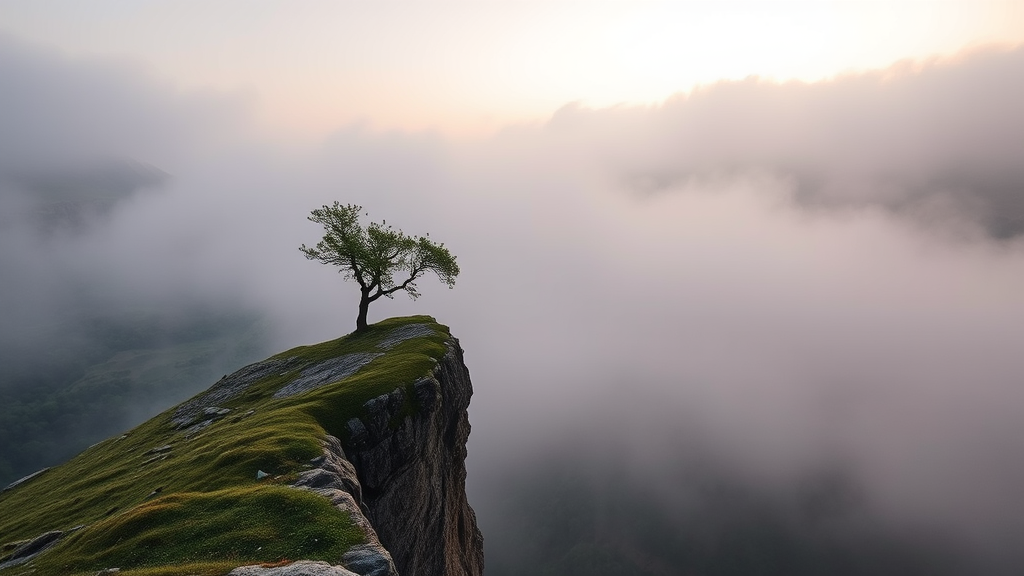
782, 281
937, 141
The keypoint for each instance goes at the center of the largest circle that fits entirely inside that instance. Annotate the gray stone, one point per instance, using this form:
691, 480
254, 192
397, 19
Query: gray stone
326, 372
403, 333
229, 387
245, 414
380, 412
196, 428
336, 479
32, 548
357, 432
208, 416
301, 568
413, 475
367, 560
427, 392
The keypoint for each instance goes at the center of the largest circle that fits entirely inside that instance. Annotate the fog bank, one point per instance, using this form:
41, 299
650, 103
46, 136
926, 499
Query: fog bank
780, 281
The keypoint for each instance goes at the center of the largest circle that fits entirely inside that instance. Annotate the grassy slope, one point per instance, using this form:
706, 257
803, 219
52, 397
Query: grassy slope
210, 513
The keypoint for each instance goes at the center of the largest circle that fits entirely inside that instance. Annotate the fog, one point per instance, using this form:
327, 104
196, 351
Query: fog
777, 282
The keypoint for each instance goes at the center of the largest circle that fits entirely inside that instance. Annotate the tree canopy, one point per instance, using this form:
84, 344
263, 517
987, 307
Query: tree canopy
376, 255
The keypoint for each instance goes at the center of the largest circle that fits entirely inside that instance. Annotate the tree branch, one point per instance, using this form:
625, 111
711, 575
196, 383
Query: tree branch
416, 273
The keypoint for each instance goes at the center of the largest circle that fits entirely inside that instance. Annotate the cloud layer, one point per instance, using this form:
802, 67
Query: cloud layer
940, 141
788, 278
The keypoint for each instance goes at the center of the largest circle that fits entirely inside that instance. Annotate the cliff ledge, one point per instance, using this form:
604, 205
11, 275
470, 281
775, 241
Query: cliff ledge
346, 457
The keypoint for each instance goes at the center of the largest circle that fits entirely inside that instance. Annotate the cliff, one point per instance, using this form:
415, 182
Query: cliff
413, 476
339, 458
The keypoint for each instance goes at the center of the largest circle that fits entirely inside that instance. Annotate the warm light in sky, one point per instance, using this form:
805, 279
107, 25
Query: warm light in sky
467, 66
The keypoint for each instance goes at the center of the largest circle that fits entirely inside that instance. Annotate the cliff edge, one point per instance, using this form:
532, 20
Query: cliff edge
413, 475
342, 458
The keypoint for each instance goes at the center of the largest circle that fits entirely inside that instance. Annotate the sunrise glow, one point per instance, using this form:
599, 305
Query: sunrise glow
472, 67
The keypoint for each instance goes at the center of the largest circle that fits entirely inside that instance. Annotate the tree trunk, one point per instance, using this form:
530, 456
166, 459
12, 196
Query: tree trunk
364, 307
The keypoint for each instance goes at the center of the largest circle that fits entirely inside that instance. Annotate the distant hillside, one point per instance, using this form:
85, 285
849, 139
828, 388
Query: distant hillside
66, 386
350, 452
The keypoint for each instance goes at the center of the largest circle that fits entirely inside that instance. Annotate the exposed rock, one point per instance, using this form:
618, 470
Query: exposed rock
336, 479
198, 427
413, 474
403, 333
302, 568
326, 372
154, 459
245, 414
369, 560
380, 412
229, 387
32, 548
311, 377
332, 470
159, 449
445, 540
208, 416
357, 433
23, 479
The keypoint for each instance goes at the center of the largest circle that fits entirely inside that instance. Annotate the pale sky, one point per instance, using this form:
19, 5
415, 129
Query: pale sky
793, 276
306, 68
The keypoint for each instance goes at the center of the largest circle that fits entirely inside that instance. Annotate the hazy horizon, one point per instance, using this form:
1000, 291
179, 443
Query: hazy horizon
811, 277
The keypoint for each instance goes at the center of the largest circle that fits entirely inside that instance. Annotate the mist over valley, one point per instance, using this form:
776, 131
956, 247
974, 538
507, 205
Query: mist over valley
757, 328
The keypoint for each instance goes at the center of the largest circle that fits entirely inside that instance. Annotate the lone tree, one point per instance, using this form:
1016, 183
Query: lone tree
374, 255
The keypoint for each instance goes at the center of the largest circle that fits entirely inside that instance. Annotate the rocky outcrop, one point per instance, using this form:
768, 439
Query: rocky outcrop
334, 478
401, 477
195, 410
29, 549
412, 473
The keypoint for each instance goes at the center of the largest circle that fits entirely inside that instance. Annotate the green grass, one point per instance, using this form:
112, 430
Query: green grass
255, 523
209, 512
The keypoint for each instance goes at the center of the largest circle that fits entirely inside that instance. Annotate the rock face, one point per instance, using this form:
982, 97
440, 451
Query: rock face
402, 479
334, 478
412, 474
